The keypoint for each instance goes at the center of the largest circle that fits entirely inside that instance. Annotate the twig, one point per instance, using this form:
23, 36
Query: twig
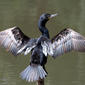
40, 82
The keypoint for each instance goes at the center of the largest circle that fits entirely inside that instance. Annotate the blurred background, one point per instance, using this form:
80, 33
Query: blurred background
68, 69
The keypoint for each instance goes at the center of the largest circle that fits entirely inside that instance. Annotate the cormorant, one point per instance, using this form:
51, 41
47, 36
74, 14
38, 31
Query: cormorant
15, 41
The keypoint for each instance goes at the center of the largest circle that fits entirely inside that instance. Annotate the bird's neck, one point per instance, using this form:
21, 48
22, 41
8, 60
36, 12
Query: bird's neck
43, 28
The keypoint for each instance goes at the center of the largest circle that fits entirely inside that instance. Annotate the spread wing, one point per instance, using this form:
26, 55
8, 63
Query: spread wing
15, 41
65, 41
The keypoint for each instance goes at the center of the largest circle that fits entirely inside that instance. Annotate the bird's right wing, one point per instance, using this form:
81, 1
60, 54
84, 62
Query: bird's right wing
15, 41
65, 41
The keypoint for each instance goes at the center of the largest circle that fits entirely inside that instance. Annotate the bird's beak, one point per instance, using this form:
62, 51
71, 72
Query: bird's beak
53, 15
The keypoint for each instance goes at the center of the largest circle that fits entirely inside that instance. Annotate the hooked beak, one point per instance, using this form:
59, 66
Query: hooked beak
53, 15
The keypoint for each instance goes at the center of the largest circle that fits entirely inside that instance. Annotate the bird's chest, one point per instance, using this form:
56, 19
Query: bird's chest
37, 51
37, 55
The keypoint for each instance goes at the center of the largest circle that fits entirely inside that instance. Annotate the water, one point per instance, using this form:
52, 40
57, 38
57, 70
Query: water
68, 69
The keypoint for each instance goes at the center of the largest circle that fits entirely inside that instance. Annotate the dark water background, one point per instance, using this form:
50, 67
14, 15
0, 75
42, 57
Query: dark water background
68, 69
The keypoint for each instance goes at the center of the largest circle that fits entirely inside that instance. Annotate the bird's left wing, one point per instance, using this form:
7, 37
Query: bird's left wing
65, 41
15, 41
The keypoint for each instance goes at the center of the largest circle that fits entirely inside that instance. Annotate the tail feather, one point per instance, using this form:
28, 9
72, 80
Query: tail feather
33, 73
42, 73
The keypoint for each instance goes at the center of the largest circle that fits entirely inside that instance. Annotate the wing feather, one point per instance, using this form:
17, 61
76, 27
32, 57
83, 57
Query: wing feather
65, 41
13, 39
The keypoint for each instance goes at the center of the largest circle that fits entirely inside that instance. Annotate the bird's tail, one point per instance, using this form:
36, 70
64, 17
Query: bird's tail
33, 73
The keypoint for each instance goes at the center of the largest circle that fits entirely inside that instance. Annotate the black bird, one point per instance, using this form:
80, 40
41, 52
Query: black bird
15, 41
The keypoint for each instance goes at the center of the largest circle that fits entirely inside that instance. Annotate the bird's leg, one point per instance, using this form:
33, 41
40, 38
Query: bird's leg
45, 69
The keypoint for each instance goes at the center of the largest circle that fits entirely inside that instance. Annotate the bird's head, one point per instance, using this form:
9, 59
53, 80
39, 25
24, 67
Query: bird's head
45, 17
42, 22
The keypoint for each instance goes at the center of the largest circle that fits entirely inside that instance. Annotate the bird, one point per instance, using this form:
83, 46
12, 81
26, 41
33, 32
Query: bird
16, 42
